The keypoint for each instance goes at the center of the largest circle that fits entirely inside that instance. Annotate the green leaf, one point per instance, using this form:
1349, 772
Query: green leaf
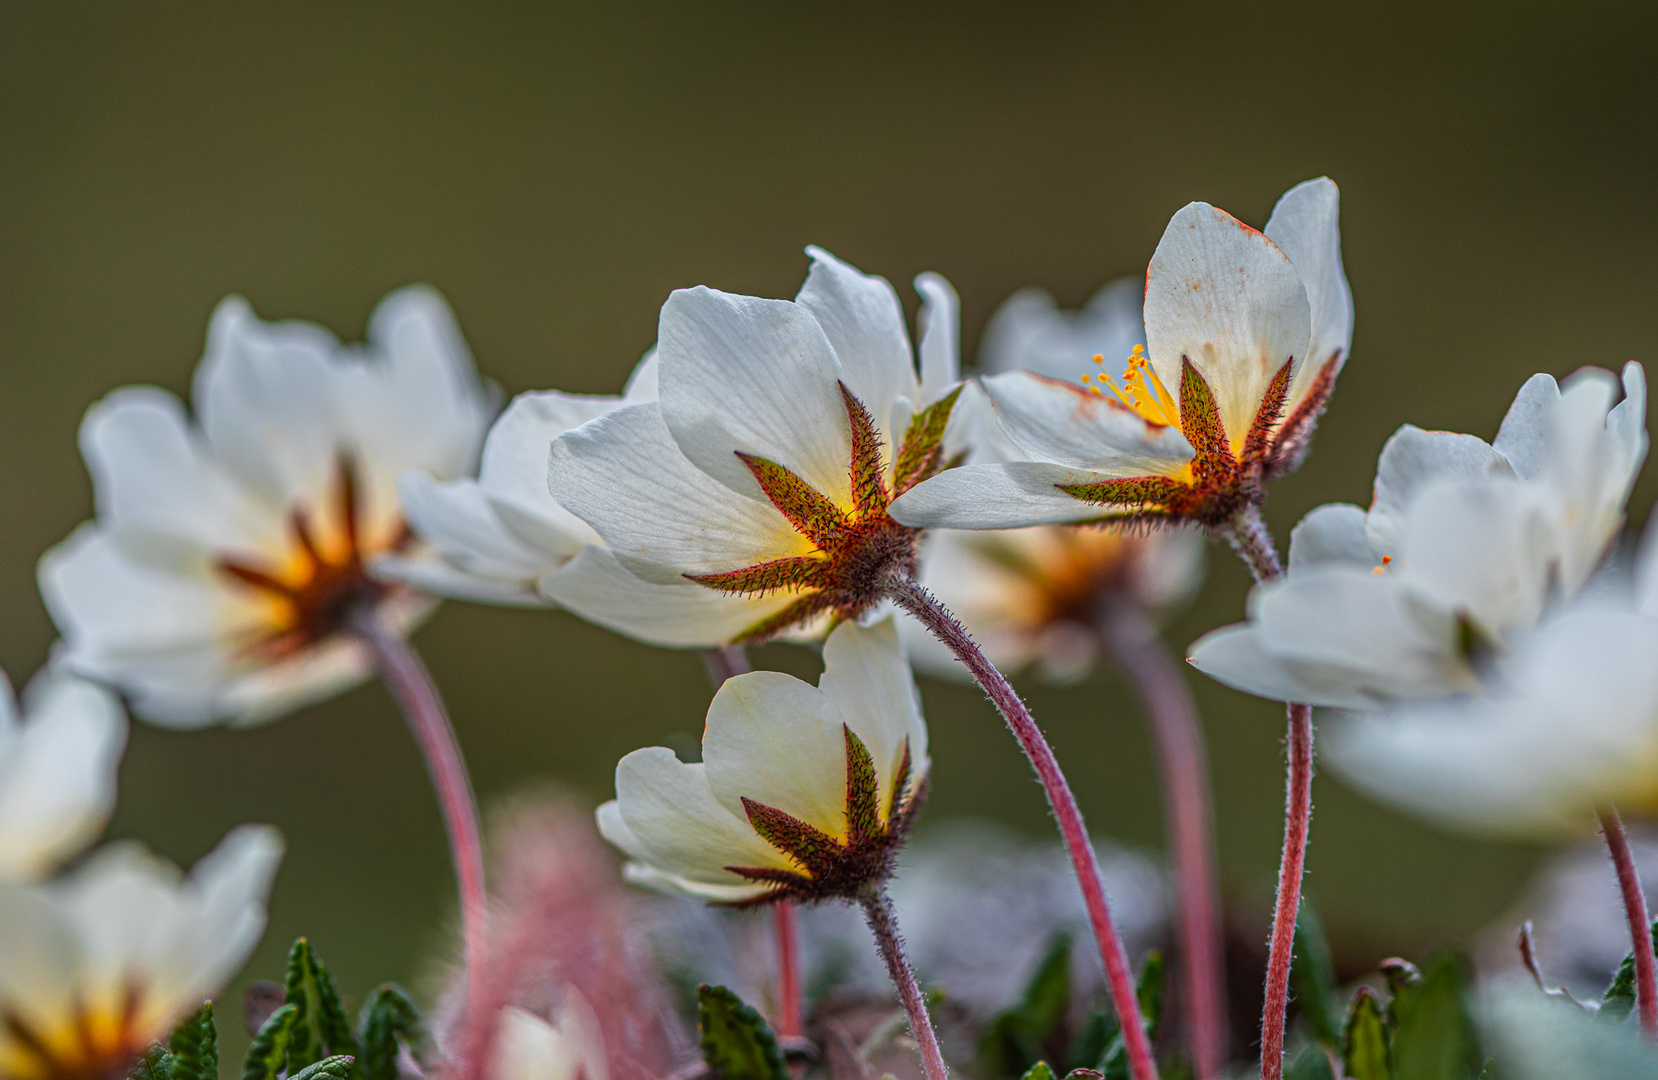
1084, 1074
1364, 1039
1093, 1041
1313, 977
1434, 1039
1039, 1071
1619, 999
1015, 1040
388, 1018
337, 1067
268, 1055
156, 1064
1149, 992
736, 1040
1311, 1062
194, 1047
321, 1027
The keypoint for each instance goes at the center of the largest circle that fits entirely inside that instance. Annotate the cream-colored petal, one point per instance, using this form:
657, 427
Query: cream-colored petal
1306, 227
458, 520
1334, 532
864, 322
1482, 550
1238, 656
939, 331
680, 827
1004, 495
1065, 424
1411, 461
1223, 296
1524, 432
866, 673
778, 741
513, 471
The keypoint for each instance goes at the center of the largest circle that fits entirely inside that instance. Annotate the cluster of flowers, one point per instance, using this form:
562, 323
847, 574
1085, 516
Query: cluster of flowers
801, 470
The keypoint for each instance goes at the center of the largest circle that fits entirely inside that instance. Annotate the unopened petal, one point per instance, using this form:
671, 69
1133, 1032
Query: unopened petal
1306, 227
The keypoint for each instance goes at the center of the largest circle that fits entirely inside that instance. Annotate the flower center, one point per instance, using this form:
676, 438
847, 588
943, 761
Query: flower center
89, 1044
1140, 389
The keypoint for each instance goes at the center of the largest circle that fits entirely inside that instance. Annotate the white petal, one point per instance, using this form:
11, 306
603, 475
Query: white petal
57, 776
1237, 656
744, 374
1481, 550
679, 827
458, 520
1332, 533
1521, 439
1306, 227
513, 472
623, 474
1223, 296
1065, 424
646, 381
1411, 461
1004, 495
1627, 421
429, 573
1030, 333
683, 615
778, 741
866, 674
864, 322
940, 335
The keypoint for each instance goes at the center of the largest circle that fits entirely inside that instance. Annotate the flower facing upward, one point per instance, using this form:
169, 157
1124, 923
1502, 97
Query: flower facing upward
1464, 546
802, 792
751, 500
96, 966
1245, 332
57, 771
227, 553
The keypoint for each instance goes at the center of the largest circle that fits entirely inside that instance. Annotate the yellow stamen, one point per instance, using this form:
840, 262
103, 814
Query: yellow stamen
1387, 561
1141, 390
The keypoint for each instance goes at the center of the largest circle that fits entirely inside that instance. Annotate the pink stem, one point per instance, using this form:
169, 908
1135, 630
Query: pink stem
1190, 821
411, 684
884, 926
1280, 953
1640, 924
788, 970
918, 602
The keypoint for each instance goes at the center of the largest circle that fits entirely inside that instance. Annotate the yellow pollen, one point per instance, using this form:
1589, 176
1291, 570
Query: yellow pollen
1141, 390
1387, 560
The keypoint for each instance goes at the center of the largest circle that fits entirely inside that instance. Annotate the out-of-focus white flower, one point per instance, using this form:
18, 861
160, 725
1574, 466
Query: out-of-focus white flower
802, 791
57, 770
227, 552
1035, 596
1245, 333
751, 500
494, 538
1465, 545
97, 965
568, 1048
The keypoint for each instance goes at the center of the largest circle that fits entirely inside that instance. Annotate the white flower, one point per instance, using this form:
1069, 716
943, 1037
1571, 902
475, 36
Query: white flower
1245, 333
97, 965
801, 792
569, 1048
57, 771
1464, 545
494, 538
1035, 596
228, 551
750, 501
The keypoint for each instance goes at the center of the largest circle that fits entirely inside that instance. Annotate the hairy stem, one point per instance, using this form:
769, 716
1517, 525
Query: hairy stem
1640, 925
411, 685
884, 925
1298, 814
1189, 815
910, 596
724, 662
1249, 537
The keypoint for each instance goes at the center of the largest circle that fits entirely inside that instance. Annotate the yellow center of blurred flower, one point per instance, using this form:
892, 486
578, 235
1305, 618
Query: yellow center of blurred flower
1140, 389
88, 1044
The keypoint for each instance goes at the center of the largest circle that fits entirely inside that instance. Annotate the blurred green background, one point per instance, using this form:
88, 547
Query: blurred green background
557, 169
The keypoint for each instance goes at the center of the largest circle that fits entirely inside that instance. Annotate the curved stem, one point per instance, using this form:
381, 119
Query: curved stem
1280, 953
910, 596
411, 684
725, 662
1640, 925
884, 925
1248, 535
1189, 816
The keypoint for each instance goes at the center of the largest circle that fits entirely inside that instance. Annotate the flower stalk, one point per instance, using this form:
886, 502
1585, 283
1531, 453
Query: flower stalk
1640, 932
405, 675
883, 924
910, 596
1128, 634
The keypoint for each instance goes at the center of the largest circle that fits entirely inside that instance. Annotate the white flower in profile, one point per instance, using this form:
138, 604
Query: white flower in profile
802, 792
57, 770
1245, 334
1464, 546
1035, 597
751, 500
494, 538
97, 965
229, 551
569, 1047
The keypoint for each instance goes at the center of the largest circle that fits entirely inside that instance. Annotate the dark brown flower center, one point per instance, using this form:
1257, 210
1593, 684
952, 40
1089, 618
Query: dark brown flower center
90, 1045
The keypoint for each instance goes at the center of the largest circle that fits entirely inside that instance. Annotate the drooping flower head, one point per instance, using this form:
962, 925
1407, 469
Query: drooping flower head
229, 552
751, 500
1245, 334
57, 771
98, 965
802, 792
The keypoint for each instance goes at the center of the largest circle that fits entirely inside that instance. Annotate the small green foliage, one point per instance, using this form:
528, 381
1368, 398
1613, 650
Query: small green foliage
1150, 995
1364, 1039
1084, 1074
1619, 999
320, 1027
156, 1064
1313, 978
737, 1043
337, 1067
194, 1047
388, 1018
1433, 1037
1015, 1040
1093, 1041
1309, 1063
268, 1055
1039, 1071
